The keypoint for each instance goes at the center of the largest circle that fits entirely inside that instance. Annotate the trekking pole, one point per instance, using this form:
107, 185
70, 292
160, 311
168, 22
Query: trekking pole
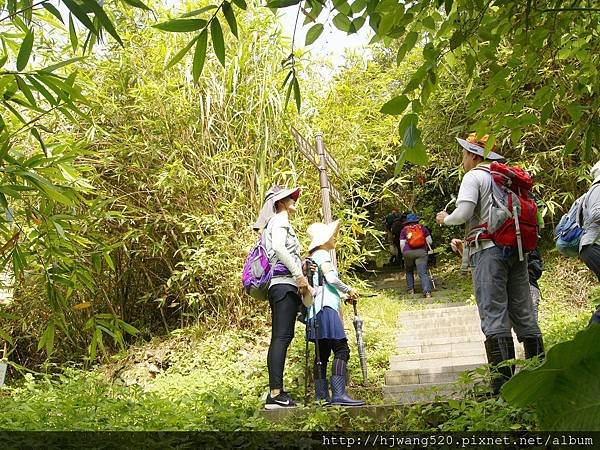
360, 344
306, 360
308, 272
318, 363
429, 268
315, 322
451, 202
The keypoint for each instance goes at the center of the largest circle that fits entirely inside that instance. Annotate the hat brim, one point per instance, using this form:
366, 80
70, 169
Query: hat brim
477, 150
332, 230
294, 193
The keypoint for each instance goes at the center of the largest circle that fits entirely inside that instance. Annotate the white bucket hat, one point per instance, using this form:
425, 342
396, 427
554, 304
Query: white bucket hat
473, 145
320, 233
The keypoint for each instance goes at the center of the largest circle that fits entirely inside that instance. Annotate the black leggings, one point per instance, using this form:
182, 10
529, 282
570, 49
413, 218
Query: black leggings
341, 352
284, 301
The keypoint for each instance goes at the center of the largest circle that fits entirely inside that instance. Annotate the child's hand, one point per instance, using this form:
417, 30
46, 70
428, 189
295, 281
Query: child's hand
353, 295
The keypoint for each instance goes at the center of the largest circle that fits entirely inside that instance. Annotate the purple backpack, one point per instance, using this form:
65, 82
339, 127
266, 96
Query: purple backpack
258, 272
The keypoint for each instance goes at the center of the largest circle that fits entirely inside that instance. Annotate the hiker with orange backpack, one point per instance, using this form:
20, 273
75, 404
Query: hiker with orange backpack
501, 228
415, 240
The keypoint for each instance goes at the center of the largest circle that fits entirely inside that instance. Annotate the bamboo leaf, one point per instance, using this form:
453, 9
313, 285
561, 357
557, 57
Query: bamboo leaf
181, 53
25, 51
289, 89
61, 64
287, 77
297, 93
282, 3
181, 25
109, 261
137, 4
73, 34
313, 33
47, 339
36, 134
240, 4
4, 335
52, 10
24, 88
200, 55
230, 17
197, 12
104, 19
217, 39
78, 12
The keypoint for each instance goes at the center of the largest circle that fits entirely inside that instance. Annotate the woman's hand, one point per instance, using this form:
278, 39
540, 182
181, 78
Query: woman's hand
353, 295
302, 283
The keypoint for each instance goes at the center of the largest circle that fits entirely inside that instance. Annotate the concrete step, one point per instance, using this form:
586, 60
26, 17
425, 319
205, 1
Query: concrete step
409, 341
438, 375
438, 364
436, 313
471, 350
429, 306
456, 347
468, 329
413, 387
426, 322
408, 398
377, 412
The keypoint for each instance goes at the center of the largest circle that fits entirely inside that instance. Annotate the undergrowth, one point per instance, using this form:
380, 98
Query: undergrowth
216, 379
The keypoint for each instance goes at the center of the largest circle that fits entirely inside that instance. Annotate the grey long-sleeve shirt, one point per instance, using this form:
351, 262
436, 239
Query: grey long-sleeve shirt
591, 216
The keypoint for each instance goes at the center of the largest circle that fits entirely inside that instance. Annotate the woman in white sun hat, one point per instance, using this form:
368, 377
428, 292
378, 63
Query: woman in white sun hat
329, 330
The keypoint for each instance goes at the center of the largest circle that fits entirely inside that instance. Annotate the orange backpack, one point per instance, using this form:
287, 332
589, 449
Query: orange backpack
415, 236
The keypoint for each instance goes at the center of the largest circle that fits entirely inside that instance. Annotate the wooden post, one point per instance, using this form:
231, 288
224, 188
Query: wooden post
324, 182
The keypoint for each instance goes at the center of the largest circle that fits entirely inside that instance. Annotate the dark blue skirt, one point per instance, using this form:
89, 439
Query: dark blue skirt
329, 325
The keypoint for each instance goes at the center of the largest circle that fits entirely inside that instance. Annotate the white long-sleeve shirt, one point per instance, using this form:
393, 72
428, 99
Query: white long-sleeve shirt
283, 246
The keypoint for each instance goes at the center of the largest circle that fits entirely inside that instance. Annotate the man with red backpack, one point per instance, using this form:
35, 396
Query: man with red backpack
501, 228
415, 240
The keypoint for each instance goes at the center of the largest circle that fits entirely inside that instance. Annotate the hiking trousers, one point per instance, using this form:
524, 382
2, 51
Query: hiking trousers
284, 301
416, 258
501, 285
590, 255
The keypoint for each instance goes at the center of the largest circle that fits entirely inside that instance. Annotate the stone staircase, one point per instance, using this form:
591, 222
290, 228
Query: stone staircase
434, 346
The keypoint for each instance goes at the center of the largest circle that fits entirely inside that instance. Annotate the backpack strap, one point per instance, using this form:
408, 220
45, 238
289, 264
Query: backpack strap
579, 216
495, 201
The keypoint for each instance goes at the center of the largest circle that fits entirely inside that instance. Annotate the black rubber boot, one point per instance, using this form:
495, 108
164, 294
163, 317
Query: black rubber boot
500, 349
338, 392
533, 345
322, 390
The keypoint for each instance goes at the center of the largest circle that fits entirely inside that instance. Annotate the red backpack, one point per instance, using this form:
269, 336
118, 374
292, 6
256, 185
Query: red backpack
415, 236
512, 220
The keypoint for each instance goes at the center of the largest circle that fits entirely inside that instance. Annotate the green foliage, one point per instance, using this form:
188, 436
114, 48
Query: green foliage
564, 388
524, 63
